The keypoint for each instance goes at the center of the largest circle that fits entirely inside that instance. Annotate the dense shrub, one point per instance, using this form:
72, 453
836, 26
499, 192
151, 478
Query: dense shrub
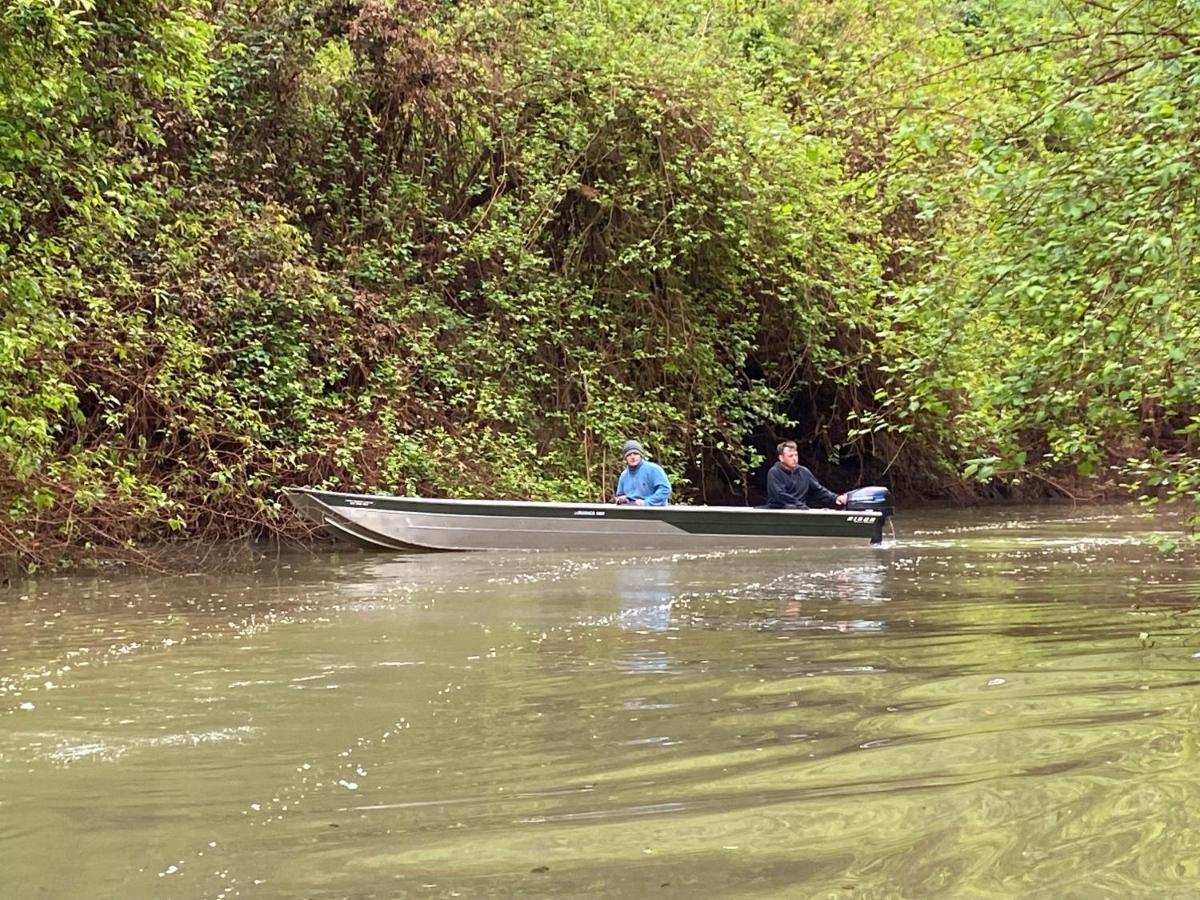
469, 248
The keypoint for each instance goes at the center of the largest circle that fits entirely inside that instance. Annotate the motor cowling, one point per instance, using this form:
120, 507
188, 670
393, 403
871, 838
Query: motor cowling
877, 498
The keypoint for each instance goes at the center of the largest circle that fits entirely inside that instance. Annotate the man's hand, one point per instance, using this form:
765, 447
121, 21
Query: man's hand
622, 500
841, 500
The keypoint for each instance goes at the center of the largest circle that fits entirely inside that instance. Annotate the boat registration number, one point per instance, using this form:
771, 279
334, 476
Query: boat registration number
860, 520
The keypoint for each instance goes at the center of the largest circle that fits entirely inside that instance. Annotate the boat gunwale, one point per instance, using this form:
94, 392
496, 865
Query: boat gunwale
620, 511
342, 513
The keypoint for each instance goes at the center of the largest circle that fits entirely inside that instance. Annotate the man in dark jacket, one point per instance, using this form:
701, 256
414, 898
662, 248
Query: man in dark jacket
791, 486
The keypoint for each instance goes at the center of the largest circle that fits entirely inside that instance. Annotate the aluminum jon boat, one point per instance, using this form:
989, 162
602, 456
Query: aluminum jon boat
384, 522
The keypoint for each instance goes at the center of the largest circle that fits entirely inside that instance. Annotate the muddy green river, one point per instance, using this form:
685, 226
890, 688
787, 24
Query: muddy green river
991, 704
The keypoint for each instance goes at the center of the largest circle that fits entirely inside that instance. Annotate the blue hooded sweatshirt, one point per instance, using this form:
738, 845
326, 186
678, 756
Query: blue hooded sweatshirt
646, 481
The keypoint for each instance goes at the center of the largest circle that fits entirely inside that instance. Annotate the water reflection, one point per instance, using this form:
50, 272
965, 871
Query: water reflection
645, 594
966, 714
824, 602
800, 598
659, 596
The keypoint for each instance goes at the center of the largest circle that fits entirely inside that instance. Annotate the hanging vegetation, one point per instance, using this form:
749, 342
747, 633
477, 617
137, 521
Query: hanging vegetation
420, 246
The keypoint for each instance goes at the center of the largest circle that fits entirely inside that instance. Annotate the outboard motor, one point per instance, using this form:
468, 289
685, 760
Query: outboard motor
878, 498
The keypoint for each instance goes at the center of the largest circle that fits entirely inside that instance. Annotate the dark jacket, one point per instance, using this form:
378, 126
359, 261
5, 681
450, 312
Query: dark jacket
796, 489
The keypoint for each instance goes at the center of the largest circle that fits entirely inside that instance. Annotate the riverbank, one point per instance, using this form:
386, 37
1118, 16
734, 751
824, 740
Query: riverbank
191, 556
469, 250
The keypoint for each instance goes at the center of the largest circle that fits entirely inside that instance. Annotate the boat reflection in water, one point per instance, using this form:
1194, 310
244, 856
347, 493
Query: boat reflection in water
652, 595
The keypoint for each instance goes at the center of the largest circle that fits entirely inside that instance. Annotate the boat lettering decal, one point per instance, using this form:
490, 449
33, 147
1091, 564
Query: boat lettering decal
589, 512
360, 502
860, 520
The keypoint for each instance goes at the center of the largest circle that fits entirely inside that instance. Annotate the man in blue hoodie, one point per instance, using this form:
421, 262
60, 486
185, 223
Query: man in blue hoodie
643, 483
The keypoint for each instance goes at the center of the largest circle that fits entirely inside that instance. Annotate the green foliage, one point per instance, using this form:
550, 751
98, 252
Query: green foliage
420, 246
399, 246
1046, 334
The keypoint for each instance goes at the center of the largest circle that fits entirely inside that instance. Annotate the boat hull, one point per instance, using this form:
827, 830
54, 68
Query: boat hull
412, 523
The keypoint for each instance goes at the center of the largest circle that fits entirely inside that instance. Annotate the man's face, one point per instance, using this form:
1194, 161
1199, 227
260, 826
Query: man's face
632, 458
789, 457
